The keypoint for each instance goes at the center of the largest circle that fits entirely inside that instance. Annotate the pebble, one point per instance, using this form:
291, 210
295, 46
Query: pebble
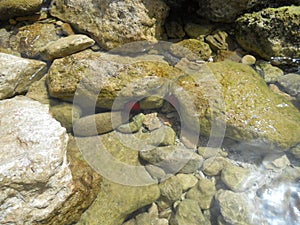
248, 59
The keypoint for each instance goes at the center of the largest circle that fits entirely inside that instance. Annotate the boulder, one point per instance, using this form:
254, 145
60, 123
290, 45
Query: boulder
35, 177
291, 84
17, 74
270, 32
11, 8
113, 23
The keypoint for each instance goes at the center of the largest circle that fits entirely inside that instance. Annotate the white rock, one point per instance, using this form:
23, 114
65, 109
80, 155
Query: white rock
18, 73
35, 178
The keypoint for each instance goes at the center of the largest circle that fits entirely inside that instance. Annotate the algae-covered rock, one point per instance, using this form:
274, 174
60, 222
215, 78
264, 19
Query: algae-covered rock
115, 202
112, 76
113, 23
272, 32
253, 114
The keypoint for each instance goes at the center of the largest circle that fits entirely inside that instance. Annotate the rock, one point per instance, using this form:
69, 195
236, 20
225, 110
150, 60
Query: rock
261, 32
203, 193
10, 8
38, 91
174, 29
134, 125
163, 136
188, 212
171, 189
214, 165
193, 164
248, 59
112, 24
187, 181
192, 49
66, 46
275, 89
35, 178
269, 73
17, 74
115, 202
291, 84
156, 172
152, 122
221, 11
236, 178
250, 109
225, 55
170, 158
237, 208
275, 162
195, 31
218, 40
30, 39
296, 151
99, 123
151, 102
207, 152
128, 78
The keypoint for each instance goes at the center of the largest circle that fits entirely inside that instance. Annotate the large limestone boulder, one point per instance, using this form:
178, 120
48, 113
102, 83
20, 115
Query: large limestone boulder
11, 8
35, 180
113, 23
17, 74
253, 114
270, 32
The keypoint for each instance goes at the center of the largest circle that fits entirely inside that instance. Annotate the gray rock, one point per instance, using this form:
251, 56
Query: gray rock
11, 8
193, 164
152, 122
66, 46
276, 163
218, 40
207, 152
291, 84
112, 24
170, 158
171, 189
269, 73
134, 125
17, 74
261, 32
237, 208
174, 29
196, 31
38, 91
236, 178
187, 213
203, 193
35, 177
115, 202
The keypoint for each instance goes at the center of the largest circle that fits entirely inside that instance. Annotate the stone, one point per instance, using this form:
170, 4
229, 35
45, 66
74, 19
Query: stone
17, 74
151, 102
156, 172
35, 177
269, 73
250, 109
291, 84
237, 208
225, 55
10, 8
112, 24
152, 122
66, 46
174, 29
203, 193
188, 212
29, 39
170, 158
207, 152
38, 91
218, 40
193, 164
276, 89
187, 181
236, 178
275, 162
214, 165
99, 123
195, 31
248, 59
261, 32
119, 80
115, 202
192, 49
171, 189
134, 125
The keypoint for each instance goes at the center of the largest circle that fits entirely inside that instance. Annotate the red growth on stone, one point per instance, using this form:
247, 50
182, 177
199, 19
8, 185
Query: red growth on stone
132, 107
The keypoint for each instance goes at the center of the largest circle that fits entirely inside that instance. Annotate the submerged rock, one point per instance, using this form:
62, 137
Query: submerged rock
270, 32
291, 84
113, 23
17, 74
35, 177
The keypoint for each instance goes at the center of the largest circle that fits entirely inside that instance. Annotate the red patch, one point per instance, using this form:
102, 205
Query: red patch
132, 107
